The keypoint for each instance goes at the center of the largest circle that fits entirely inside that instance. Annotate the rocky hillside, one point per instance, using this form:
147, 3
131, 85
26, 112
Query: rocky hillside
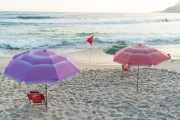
173, 9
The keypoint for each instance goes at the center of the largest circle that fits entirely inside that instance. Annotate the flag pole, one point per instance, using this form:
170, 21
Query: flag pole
90, 41
90, 55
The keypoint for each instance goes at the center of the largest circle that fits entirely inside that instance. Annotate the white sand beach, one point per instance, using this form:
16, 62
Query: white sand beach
99, 92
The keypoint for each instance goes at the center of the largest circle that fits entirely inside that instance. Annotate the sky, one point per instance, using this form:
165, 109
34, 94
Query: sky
133, 6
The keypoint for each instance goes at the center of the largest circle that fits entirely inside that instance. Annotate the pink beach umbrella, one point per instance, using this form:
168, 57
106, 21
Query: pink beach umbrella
41, 67
140, 55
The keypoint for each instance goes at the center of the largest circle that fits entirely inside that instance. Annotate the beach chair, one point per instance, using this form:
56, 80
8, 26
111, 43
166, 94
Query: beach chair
126, 71
126, 68
35, 97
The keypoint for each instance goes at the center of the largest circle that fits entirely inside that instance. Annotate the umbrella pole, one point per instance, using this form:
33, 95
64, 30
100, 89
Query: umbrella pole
137, 78
46, 96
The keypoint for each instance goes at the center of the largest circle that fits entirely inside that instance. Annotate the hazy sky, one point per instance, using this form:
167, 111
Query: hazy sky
86, 5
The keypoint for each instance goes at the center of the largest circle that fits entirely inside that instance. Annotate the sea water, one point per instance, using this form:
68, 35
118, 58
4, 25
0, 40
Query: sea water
67, 32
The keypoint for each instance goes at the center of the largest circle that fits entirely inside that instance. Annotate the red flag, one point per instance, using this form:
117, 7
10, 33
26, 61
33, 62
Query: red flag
90, 40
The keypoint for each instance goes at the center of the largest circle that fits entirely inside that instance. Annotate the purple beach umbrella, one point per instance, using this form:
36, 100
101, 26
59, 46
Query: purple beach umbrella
41, 67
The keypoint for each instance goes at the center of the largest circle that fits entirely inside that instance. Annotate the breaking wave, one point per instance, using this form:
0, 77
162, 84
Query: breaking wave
33, 17
36, 45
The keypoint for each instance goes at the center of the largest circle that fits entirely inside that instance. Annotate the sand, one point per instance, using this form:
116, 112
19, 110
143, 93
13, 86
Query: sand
99, 92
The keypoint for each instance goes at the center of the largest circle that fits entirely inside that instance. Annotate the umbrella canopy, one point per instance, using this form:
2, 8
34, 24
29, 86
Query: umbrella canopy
41, 67
140, 55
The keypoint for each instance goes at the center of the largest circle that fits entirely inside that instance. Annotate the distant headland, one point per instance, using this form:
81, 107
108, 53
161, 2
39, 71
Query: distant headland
173, 9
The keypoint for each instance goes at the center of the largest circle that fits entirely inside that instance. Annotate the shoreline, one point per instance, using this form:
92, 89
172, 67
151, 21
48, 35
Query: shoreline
99, 59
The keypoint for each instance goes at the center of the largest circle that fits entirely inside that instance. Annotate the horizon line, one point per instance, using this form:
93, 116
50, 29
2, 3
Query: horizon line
79, 12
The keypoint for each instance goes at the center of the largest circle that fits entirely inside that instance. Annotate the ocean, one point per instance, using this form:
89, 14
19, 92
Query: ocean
67, 32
